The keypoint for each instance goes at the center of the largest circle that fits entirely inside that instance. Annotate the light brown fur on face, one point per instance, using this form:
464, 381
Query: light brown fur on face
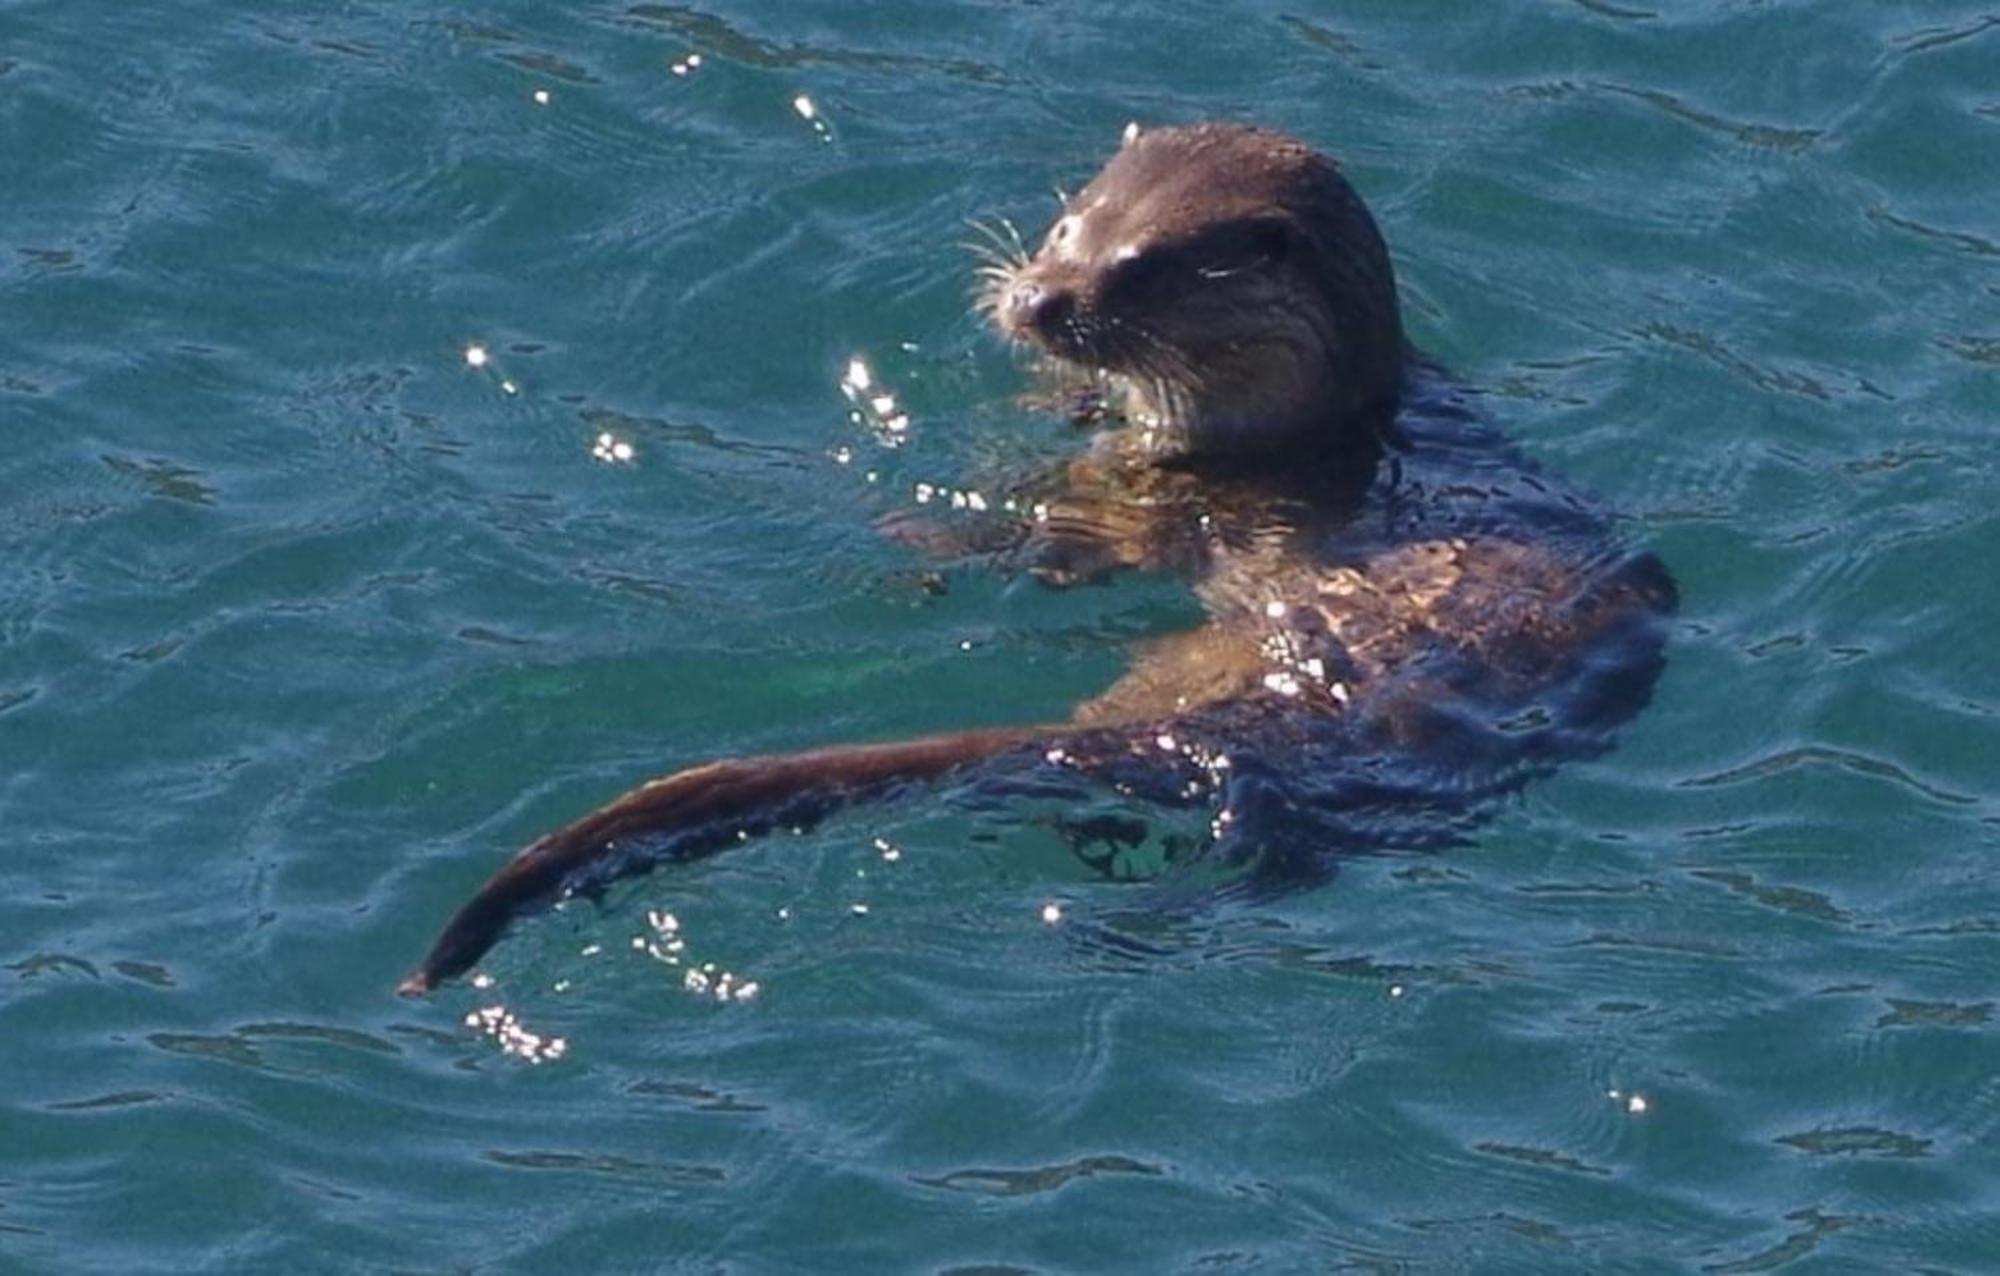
1231, 280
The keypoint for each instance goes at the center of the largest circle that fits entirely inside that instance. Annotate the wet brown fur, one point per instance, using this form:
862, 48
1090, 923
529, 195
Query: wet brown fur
1234, 289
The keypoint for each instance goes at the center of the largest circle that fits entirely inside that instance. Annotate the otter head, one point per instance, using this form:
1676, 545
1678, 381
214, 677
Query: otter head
1232, 280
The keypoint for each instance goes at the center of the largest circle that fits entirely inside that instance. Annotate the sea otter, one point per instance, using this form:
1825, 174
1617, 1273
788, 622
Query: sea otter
1404, 618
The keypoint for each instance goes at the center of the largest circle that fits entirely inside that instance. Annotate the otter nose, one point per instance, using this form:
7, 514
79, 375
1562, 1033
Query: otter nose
1033, 306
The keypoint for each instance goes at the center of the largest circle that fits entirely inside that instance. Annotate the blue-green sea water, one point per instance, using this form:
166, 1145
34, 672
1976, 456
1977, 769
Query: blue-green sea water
308, 619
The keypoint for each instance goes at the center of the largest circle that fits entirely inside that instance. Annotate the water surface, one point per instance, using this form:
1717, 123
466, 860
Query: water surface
305, 622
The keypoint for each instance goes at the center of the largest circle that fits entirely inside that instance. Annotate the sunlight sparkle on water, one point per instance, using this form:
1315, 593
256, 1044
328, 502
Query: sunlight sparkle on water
668, 946
687, 65
875, 408
613, 450
475, 355
809, 112
514, 1037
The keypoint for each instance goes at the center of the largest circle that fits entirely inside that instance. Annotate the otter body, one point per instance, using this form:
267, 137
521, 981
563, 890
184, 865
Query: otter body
1403, 618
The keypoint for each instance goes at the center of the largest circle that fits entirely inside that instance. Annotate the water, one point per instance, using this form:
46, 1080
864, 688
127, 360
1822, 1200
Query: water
305, 623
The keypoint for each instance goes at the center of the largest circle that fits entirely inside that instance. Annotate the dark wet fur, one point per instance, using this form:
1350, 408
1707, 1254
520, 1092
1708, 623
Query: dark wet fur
1406, 620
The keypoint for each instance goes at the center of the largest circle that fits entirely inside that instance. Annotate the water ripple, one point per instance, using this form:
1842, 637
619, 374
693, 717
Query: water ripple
1807, 756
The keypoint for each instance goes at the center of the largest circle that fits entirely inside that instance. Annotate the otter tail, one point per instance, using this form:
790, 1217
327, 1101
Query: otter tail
702, 809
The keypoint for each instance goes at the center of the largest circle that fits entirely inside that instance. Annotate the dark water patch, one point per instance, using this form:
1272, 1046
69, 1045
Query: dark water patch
1659, 943
1779, 645
154, 652
667, 1172
149, 973
1391, 975
117, 1099
1958, 240
1321, 36
1816, 1228
1622, 1008
695, 1096
39, 965
1764, 136
1973, 349
1858, 1140
1968, 926
365, 52
688, 434
1935, 1014
345, 1038
164, 478
1889, 460
1709, 347
436, 1037
556, 68
1788, 899
48, 261
229, 1048
1541, 1158
652, 590
1713, 831
1927, 39
330, 1191
1605, 9
1514, 1224
1037, 1180
486, 636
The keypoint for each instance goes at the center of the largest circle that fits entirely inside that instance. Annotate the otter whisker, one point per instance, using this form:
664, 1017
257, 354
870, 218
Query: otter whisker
991, 259
986, 252
1014, 236
1002, 242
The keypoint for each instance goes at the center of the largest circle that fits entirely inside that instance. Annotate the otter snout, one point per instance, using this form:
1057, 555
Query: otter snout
1034, 308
